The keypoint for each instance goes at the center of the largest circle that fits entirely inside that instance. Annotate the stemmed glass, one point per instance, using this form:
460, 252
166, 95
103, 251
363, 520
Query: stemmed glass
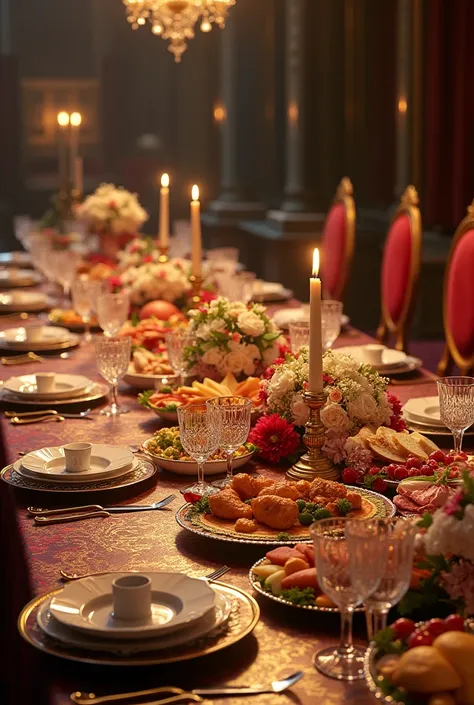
235, 419
456, 406
331, 312
113, 359
84, 296
333, 567
176, 343
112, 312
66, 263
299, 335
399, 537
200, 433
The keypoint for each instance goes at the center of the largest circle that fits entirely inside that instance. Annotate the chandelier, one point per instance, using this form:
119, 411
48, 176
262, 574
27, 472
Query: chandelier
176, 19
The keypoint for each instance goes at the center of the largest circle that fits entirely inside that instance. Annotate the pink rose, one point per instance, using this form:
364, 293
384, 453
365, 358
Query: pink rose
236, 337
335, 395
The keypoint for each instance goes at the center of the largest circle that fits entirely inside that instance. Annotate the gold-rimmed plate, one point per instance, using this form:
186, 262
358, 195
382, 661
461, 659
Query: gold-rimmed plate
70, 342
95, 392
244, 616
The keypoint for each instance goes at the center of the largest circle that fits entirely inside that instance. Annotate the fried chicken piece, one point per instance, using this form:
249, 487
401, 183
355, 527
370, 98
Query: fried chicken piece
248, 487
228, 505
327, 488
281, 489
355, 499
304, 487
320, 500
245, 526
275, 512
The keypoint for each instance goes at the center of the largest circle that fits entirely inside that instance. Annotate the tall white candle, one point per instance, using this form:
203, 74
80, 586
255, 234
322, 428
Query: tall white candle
164, 211
196, 243
315, 383
75, 123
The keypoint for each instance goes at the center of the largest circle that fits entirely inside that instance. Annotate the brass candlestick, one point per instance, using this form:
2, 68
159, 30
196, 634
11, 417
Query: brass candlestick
313, 463
196, 282
163, 258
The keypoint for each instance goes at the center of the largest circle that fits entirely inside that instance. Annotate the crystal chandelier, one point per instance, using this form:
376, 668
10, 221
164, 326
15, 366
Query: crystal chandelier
176, 19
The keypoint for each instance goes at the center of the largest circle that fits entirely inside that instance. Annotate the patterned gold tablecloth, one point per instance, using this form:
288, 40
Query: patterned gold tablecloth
283, 641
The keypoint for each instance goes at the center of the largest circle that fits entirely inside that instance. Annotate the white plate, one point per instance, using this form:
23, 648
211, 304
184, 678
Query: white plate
209, 622
76, 479
19, 277
284, 316
189, 467
66, 386
23, 301
15, 259
177, 601
390, 358
134, 379
106, 460
423, 410
50, 335
96, 391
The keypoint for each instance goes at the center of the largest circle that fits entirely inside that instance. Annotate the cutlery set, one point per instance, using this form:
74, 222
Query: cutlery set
20, 418
90, 511
68, 577
29, 357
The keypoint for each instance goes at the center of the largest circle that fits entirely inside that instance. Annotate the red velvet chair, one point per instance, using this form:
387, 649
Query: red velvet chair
400, 270
338, 242
458, 300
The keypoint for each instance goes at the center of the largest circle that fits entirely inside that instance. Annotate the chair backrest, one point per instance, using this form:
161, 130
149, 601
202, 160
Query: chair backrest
338, 241
400, 268
458, 300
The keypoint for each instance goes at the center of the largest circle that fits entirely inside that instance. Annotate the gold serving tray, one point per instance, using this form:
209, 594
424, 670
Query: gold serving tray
243, 619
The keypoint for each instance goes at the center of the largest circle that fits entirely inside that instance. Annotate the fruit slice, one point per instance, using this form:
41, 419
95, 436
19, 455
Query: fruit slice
274, 582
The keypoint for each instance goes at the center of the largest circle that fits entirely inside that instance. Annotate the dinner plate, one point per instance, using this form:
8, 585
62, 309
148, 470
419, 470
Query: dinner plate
390, 358
140, 471
214, 620
51, 337
98, 391
106, 461
66, 386
176, 602
424, 410
76, 479
271, 291
284, 316
15, 259
244, 616
141, 381
13, 277
10, 302
189, 467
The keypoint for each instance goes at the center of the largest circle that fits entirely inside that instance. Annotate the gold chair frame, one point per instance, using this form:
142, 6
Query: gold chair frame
451, 355
408, 206
345, 195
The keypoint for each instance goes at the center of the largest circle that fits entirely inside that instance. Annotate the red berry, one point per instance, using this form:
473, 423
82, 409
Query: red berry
391, 468
460, 456
420, 638
401, 473
453, 473
438, 455
426, 470
413, 462
454, 623
414, 472
435, 627
433, 464
403, 627
350, 476
374, 470
191, 497
379, 485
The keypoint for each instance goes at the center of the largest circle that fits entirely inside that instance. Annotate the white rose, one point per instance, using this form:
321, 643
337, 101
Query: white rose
283, 381
235, 362
333, 416
213, 357
251, 324
249, 367
270, 354
299, 410
364, 408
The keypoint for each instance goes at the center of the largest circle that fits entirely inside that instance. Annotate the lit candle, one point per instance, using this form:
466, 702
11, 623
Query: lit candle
196, 244
315, 383
63, 122
75, 122
164, 211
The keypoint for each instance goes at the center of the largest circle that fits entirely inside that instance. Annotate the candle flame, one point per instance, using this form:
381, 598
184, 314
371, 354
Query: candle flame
63, 118
76, 119
315, 262
165, 180
195, 193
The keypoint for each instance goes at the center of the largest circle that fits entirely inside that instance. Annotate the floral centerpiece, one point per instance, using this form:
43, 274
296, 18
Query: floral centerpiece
232, 337
137, 252
356, 396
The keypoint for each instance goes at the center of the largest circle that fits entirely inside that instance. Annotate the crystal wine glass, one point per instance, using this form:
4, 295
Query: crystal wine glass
399, 537
456, 406
176, 343
299, 335
112, 312
84, 293
66, 268
235, 419
113, 359
200, 433
333, 568
331, 312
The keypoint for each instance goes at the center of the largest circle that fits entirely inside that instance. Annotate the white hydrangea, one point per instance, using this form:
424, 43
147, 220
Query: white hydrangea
112, 209
451, 536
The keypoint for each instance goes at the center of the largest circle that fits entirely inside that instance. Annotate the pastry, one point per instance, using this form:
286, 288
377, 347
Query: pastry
424, 669
458, 649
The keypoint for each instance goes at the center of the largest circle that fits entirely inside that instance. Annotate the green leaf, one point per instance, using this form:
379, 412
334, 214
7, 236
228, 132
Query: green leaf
270, 336
426, 521
144, 398
135, 319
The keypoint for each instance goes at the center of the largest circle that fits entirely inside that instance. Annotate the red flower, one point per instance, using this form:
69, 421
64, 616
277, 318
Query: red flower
327, 378
207, 296
269, 372
112, 205
275, 438
262, 395
395, 403
147, 259
283, 348
115, 282
397, 423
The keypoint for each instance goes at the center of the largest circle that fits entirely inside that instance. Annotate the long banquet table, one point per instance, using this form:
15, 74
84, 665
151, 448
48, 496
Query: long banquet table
283, 640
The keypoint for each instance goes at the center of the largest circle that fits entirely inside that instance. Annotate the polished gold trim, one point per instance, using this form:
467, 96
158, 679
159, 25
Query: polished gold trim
408, 206
451, 354
344, 195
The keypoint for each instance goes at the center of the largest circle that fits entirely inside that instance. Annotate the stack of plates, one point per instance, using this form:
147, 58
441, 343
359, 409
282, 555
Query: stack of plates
52, 338
423, 415
19, 277
394, 362
284, 316
20, 301
66, 387
183, 609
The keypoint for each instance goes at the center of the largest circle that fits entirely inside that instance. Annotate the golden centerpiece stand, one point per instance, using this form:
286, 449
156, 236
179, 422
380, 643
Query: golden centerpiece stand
313, 463
163, 258
196, 282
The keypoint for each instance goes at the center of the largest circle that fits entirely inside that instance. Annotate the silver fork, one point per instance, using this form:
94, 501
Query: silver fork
47, 412
89, 511
215, 575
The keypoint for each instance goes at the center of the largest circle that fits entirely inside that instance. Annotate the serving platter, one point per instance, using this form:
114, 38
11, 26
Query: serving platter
223, 530
189, 467
96, 392
142, 381
243, 618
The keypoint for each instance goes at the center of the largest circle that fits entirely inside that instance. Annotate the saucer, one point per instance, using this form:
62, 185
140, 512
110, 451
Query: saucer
49, 463
66, 386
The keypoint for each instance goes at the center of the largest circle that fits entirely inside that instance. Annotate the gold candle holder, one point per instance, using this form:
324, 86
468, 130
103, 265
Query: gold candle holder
196, 282
313, 463
163, 258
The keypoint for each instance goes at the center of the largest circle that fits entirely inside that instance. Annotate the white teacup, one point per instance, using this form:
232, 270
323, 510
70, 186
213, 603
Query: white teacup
131, 597
373, 353
78, 457
33, 333
45, 382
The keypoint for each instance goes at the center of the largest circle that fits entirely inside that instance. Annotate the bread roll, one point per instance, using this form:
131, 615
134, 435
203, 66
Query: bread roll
424, 669
426, 443
458, 649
